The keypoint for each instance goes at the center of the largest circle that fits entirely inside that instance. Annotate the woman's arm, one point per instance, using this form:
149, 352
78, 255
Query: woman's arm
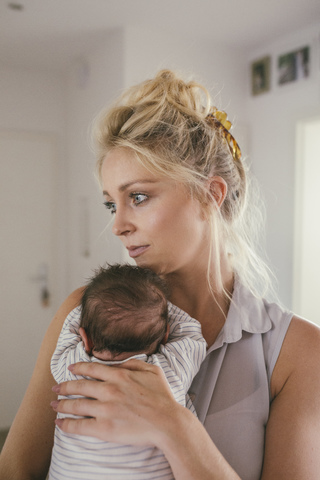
27, 451
132, 403
293, 432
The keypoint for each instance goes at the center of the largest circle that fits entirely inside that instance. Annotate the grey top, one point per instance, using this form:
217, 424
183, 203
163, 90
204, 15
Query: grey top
231, 392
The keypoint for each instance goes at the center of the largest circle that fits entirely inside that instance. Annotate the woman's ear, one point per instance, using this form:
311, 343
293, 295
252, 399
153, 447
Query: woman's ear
87, 342
218, 189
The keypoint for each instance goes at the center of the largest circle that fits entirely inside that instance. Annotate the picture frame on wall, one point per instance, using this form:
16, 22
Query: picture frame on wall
294, 66
260, 75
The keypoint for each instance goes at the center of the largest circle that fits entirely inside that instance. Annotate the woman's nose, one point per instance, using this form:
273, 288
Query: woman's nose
121, 225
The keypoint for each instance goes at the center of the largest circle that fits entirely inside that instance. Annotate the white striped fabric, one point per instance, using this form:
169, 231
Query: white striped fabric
77, 457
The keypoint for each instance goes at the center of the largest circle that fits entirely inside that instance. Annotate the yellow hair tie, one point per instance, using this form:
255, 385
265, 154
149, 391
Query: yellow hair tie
221, 122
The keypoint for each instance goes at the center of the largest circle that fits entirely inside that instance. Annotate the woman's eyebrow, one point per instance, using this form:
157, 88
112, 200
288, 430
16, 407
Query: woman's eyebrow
125, 186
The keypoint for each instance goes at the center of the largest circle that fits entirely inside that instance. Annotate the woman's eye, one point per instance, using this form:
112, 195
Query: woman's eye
110, 206
138, 198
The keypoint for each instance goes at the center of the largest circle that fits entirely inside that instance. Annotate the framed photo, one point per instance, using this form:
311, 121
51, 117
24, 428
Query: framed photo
260, 76
294, 66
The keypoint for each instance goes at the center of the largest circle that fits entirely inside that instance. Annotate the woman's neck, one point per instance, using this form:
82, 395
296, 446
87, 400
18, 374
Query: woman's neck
192, 294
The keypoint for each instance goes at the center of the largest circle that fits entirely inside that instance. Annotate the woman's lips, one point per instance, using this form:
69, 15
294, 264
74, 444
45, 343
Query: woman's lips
137, 251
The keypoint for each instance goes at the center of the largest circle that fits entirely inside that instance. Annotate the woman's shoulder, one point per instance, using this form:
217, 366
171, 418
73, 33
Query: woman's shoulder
74, 299
70, 303
302, 342
299, 355
303, 330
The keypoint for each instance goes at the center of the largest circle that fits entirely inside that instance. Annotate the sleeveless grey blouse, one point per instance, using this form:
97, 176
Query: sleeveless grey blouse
231, 392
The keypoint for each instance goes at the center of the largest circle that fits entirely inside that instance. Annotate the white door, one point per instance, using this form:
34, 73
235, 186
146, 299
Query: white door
307, 223
27, 187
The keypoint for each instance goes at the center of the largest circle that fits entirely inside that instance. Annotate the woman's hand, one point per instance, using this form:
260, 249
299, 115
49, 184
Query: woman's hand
132, 404
129, 403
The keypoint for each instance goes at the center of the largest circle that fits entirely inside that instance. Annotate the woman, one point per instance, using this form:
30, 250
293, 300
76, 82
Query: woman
173, 177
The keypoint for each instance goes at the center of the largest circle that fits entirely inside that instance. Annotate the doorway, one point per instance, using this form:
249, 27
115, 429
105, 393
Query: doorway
307, 224
27, 260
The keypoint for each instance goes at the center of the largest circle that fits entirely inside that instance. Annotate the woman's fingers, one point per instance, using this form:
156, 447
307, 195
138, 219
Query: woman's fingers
85, 409
93, 370
78, 427
106, 373
76, 406
103, 391
86, 426
102, 372
109, 382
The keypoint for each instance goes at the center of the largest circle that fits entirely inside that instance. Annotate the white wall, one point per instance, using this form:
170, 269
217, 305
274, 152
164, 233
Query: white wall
221, 70
31, 100
272, 119
148, 51
93, 82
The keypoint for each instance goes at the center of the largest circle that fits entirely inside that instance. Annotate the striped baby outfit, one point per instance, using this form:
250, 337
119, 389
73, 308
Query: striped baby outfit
78, 457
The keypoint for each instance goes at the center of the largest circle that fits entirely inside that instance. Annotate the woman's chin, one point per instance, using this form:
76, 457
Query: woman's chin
154, 266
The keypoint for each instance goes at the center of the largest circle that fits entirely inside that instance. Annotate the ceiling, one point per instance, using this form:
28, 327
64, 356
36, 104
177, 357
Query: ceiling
49, 33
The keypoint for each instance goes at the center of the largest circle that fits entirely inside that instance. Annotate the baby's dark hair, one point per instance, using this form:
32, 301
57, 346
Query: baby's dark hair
124, 309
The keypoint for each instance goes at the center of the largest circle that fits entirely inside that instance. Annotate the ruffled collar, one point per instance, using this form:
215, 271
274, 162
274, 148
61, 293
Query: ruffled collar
246, 313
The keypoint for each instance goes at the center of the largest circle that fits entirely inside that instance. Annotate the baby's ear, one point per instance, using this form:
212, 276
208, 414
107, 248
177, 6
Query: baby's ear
88, 345
165, 338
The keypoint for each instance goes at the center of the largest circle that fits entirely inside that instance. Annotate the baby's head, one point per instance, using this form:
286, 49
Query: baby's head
124, 312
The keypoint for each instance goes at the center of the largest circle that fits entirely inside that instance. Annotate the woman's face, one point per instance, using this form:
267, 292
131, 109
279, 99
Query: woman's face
154, 217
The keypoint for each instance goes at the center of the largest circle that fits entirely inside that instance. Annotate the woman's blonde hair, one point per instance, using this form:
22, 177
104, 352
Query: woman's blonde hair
166, 122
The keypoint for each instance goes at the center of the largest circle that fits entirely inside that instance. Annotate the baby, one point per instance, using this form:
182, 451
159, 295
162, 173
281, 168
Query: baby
124, 314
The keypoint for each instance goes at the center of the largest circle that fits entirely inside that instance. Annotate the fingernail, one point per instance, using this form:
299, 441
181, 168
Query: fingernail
58, 422
56, 388
54, 404
71, 367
